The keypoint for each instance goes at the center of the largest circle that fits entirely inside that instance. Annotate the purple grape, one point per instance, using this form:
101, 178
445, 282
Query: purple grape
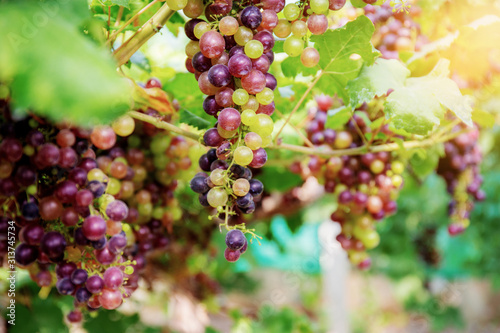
256, 187
94, 227
78, 176
113, 278
199, 185
230, 42
345, 197
105, 256
201, 63
87, 164
69, 158
235, 239
48, 155
53, 244
30, 211
210, 106
65, 269
80, 238
66, 191
271, 82
212, 138
117, 210
65, 287
218, 164
270, 56
82, 295
251, 17
204, 162
117, 244
202, 198
25, 175
100, 243
97, 188
79, 276
189, 28
259, 158
26, 254
35, 138
236, 50
33, 234
94, 284
239, 65
12, 149
267, 40
219, 75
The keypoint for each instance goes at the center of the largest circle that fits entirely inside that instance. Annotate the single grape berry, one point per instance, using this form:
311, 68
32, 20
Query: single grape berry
235, 239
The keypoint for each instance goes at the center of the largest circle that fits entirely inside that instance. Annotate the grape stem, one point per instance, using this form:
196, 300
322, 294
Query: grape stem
148, 30
126, 24
297, 106
437, 137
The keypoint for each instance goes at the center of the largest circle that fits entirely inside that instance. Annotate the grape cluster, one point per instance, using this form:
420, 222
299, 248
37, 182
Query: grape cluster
459, 167
89, 204
395, 31
366, 185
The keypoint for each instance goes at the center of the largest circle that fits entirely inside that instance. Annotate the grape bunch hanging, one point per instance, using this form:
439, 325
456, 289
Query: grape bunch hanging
230, 54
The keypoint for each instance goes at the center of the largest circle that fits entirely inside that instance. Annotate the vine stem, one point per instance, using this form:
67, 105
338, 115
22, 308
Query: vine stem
148, 30
319, 151
164, 125
299, 103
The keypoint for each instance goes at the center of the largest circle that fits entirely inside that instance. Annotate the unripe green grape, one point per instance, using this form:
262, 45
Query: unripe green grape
240, 96
114, 186
397, 180
129, 270
157, 213
176, 212
225, 134
299, 28
217, 177
370, 239
192, 47
243, 156
252, 104
104, 201
309, 57
283, 28
200, 29
217, 197
123, 126
291, 11
29, 150
243, 35
377, 166
248, 117
254, 49
253, 140
145, 209
177, 4
228, 25
241, 187
293, 46
96, 174
319, 6
265, 97
160, 161
263, 126
266, 141
357, 257
398, 167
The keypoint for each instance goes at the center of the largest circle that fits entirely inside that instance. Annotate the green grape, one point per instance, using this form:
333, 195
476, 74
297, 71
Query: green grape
357, 257
159, 144
253, 140
176, 212
291, 11
248, 117
243, 156
157, 213
319, 6
160, 161
32, 189
370, 239
240, 96
225, 134
265, 97
217, 197
377, 166
397, 167
397, 181
241, 187
217, 177
114, 186
266, 141
104, 201
299, 28
123, 126
177, 4
254, 49
293, 46
145, 209
252, 104
242, 36
200, 29
96, 174
192, 48
283, 28
263, 126
129, 270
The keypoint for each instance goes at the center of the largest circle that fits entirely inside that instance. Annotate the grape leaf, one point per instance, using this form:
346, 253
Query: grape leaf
123, 3
337, 118
376, 80
342, 54
190, 118
54, 70
292, 66
279, 179
421, 103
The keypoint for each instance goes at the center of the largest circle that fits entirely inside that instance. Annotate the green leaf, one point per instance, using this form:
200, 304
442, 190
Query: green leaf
342, 54
190, 118
279, 179
278, 46
376, 80
425, 161
292, 66
483, 118
55, 71
337, 118
420, 105
175, 23
123, 3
